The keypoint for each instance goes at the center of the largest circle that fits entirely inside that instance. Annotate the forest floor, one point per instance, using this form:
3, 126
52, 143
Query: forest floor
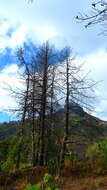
85, 183
18, 180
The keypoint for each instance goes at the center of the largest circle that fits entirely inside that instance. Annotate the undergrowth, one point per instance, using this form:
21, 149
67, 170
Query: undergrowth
47, 183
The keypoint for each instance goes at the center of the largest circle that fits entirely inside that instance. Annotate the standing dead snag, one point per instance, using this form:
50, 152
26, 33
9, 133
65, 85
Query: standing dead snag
51, 107
30, 98
76, 88
33, 124
66, 135
25, 104
67, 97
40, 98
45, 63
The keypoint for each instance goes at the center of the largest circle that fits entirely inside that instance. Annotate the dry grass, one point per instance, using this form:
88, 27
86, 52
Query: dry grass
68, 181
86, 183
20, 178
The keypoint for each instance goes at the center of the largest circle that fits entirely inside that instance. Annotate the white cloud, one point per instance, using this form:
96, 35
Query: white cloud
9, 78
21, 32
13, 68
45, 32
101, 110
16, 37
97, 64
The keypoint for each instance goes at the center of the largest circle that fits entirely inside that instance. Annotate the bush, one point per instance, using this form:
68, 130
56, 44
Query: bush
46, 184
97, 155
47, 178
54, 165
33, 187
100, 182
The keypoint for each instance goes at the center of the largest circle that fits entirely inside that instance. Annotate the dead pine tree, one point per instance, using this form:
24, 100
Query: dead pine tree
30, 98
76, 88
33, 122
67, 96
46, 56
35, 95
51, 106
66, 135
22, 95
33, 100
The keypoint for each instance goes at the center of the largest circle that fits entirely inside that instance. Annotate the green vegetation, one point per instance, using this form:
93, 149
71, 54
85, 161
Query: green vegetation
97, 154
45, 184
9, 150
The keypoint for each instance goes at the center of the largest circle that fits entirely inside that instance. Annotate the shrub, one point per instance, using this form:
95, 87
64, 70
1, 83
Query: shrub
46, 184
100, 182
54, 165
97, 154
47, 178
33, 187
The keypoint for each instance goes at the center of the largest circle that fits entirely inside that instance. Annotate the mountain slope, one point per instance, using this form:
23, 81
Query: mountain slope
84, 129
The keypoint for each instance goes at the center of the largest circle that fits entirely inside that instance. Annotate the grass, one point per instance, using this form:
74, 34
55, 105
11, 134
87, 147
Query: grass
68, 181
85, 183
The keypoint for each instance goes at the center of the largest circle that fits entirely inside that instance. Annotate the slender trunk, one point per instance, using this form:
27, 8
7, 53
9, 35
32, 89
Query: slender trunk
22, 128
52, 96
33, 125
50, 126
43, 108
46, 145
38, 143
64, 145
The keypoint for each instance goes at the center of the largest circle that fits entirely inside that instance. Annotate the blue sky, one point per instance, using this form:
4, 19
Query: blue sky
52, 20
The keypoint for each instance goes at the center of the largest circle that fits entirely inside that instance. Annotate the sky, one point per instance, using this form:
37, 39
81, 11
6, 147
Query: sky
52, 20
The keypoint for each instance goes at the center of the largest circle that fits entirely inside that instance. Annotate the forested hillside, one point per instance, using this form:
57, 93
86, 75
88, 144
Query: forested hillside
84, 130
8, 129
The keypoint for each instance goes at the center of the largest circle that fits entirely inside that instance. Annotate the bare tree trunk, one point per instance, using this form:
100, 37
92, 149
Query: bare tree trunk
50, 123
38, 143
23, 125
43, 106
33, 125
24, 109
66, 131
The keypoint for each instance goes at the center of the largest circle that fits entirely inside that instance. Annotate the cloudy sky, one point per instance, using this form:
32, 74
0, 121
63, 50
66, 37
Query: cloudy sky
52, 20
